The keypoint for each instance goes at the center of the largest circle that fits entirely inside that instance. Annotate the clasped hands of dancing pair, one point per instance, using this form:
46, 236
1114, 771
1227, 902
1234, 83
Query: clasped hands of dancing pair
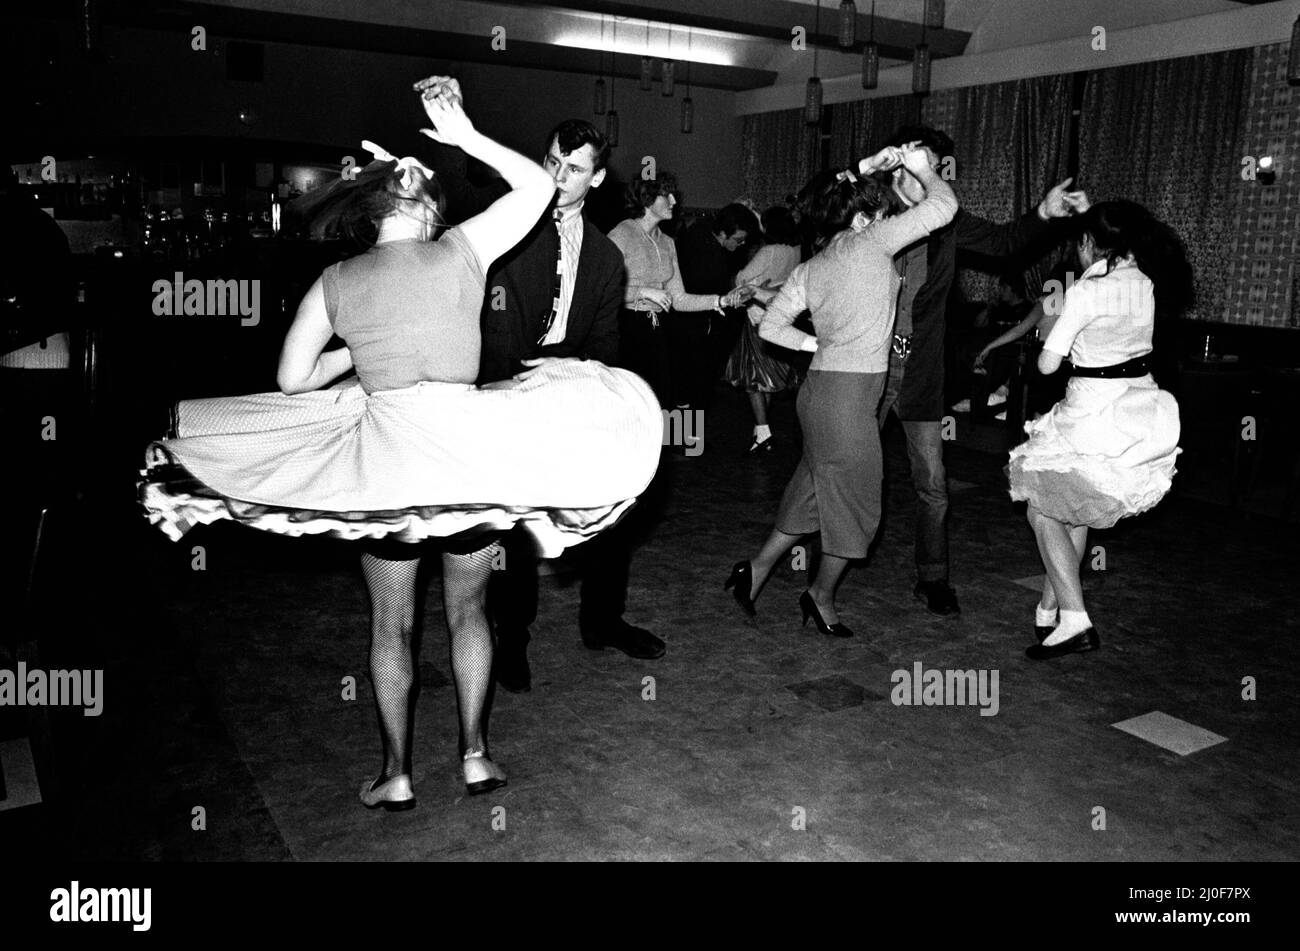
414, 451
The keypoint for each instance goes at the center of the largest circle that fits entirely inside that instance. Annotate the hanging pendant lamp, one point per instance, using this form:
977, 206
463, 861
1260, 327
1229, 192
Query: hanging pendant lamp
871, 56
812, 101
688, 106
848, 24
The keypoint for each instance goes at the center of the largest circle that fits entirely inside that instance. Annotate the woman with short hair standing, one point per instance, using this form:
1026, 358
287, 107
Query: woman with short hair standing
654, 283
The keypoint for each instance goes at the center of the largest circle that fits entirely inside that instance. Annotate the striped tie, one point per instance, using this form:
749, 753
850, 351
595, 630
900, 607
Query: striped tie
559, 275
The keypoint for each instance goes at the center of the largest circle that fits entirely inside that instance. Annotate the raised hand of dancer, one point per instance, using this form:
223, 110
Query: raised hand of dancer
498, 229
886, 160
441, 98
1060, 202
436, 85
917, 161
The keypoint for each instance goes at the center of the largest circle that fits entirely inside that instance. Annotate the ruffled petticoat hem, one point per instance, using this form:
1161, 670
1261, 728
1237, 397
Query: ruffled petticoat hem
1082, 491
176, 502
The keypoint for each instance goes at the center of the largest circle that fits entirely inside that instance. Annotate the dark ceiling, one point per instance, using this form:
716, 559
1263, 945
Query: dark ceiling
769, 20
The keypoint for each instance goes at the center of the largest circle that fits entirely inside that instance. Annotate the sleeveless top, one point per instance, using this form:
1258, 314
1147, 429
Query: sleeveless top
409, 311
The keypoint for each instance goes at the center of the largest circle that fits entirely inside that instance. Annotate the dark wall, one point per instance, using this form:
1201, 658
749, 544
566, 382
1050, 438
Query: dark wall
151, 83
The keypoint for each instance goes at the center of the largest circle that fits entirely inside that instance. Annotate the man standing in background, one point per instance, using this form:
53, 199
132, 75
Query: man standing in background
556, 296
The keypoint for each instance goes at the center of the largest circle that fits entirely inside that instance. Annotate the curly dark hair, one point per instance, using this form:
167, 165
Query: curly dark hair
830, 203
642, 192
352, 208
735, 217
779, 226
1123, 228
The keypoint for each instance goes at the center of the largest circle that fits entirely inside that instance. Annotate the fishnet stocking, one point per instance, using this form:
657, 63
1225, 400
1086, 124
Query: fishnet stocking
464, 597
392, 665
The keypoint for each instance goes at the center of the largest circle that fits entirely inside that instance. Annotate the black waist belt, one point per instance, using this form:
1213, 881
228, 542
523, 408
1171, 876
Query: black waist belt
1129, 368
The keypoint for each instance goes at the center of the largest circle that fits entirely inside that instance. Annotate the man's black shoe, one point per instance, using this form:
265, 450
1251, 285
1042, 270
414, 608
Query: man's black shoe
938, 597
633, 641
510, 664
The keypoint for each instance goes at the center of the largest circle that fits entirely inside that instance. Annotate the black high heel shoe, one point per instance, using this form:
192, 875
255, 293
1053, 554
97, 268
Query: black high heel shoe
809, 608
741, 584
1081, 643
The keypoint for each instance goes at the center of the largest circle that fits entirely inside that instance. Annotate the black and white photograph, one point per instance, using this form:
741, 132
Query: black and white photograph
653, 431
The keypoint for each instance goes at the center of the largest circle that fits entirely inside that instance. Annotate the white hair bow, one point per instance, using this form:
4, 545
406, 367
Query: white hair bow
404, 165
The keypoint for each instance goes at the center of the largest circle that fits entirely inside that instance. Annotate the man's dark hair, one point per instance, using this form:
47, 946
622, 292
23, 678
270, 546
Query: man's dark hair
933, 139
894, 204
573, 134
779, 226
733, 218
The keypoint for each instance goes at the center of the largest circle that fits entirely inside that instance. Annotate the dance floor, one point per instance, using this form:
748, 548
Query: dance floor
224, 692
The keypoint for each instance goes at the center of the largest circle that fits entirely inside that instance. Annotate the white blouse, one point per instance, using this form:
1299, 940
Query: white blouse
1106, 318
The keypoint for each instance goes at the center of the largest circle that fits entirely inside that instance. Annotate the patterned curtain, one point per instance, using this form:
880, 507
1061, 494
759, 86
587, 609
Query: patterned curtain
1169, 135
1013, 142
859, 128
1263, 248
779, 153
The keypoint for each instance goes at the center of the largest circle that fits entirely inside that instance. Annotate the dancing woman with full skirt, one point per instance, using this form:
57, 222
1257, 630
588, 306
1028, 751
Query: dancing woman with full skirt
1107, 450
415, 451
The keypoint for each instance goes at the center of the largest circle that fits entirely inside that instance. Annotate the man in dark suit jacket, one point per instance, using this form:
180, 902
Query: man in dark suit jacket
915, 386
557, 295
709, 253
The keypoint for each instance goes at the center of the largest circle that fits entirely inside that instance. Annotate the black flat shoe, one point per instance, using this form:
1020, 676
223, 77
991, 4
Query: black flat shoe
763, 445
939, 598
634, 641
1081, 643
809, 609
1043, 632
741, 585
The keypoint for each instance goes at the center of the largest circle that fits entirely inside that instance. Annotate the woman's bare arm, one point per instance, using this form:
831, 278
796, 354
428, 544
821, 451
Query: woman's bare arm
304, 366
498, 229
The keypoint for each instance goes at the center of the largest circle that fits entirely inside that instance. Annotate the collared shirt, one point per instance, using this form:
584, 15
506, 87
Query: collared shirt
570, 228
1108, 316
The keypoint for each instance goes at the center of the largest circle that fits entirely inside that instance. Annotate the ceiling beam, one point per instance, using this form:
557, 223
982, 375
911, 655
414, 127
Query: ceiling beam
434, 45
772, 20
